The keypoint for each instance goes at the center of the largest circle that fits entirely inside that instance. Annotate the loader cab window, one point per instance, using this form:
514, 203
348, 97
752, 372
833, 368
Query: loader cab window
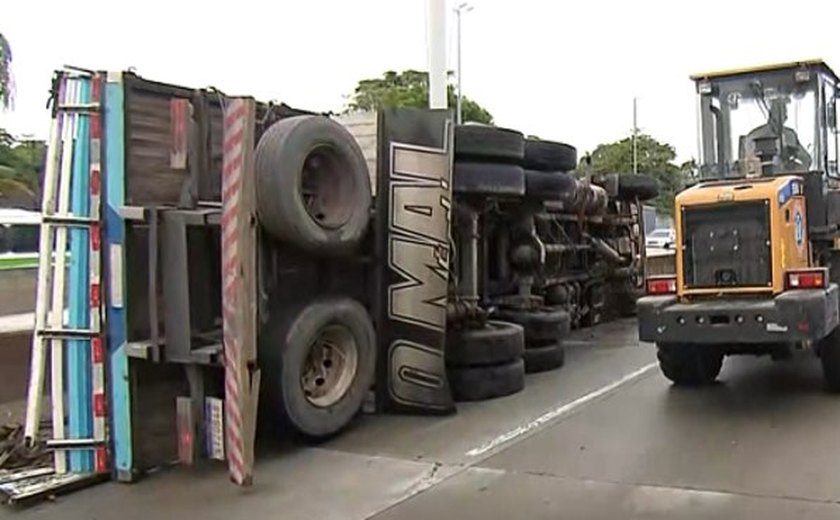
751, 124
831, 148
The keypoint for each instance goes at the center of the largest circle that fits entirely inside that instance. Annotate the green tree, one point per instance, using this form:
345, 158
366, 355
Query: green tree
21, 160
655, 158
21, 171
409, 88
6, 83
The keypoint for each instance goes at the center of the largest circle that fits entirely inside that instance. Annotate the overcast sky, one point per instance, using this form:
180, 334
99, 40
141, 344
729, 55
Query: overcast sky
565, 70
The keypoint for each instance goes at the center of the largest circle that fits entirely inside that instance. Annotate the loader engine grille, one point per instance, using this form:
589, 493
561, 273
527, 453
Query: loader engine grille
727, 245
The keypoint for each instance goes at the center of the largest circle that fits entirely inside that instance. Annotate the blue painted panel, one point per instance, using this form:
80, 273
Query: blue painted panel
118, 376
79, 384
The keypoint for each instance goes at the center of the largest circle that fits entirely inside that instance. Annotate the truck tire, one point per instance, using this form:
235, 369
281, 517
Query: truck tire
319, 361
549, 156
312, 184
636, 186
487, 382
541, 326
548, 185
488, 179
488, 143
544, 358
689, 364
830, 359
497, 342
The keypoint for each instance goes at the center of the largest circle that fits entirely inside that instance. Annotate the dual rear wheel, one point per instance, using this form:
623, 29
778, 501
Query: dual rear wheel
313, 193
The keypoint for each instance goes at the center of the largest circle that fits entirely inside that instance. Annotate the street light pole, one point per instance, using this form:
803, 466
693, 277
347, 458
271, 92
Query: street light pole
436, 52
635, 139
462, 8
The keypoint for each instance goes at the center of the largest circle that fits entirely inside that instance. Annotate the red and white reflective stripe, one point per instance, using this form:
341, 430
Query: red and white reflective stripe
100, 410
97, 343
95, 187
234, 126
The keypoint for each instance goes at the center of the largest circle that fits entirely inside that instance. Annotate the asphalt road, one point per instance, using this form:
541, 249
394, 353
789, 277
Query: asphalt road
605, 437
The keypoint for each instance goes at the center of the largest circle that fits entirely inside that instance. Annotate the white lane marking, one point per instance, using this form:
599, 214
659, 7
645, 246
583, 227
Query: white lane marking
559, 411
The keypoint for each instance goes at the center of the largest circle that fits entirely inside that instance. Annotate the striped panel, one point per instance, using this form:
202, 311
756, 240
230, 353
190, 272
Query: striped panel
234, 127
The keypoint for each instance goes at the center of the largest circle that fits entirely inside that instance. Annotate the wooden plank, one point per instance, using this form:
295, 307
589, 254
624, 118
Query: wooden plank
248, 296
239, 282
248, 241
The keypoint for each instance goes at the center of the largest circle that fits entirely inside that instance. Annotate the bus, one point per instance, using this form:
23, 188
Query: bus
19, 236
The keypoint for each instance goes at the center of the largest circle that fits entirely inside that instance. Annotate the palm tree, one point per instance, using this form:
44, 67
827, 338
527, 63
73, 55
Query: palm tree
6, 86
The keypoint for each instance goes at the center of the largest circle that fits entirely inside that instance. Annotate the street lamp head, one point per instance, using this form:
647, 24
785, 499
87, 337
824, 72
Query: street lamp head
463, 7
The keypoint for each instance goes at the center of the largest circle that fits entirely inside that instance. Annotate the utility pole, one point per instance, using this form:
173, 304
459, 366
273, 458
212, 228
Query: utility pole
635, 139
462, 8
436, 52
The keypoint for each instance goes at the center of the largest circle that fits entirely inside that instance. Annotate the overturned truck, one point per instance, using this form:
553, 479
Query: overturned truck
539, 251
260, 257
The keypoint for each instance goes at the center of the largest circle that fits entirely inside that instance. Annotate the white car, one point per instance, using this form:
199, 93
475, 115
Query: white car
661, 238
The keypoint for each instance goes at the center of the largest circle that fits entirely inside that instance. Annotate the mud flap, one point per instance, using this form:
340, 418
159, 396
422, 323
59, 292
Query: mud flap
414, 193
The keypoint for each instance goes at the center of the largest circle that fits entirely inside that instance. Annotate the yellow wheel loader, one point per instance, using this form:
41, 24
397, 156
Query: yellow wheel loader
758, 236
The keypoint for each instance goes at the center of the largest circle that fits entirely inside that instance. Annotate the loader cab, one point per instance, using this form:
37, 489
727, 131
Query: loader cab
768, 121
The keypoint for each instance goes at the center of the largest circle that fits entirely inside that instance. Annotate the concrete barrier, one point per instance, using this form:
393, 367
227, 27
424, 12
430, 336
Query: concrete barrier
18, 289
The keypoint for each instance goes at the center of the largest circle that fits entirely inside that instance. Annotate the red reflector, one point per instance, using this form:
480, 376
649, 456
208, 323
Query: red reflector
99, 405
667, 285
95, 128
803, 326
94, 295
178, 132
101, 460
95, 242
98, 350
95, 182
96, 89
186, 440
811, 279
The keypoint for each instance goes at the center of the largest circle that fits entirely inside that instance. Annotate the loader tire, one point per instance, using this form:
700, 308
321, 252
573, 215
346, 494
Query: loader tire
318, 364
544, 358
552, 186
313, 187
549, 156
689, 364
488, 179
487, 382
830, 359
636, 186
541, 326
497, 342
488, 144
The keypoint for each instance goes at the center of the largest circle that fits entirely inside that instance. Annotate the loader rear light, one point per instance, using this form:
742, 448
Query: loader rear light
661, 285
807, 279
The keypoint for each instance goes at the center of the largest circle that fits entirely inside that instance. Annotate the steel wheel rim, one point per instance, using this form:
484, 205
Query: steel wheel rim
330, 366
327, 188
